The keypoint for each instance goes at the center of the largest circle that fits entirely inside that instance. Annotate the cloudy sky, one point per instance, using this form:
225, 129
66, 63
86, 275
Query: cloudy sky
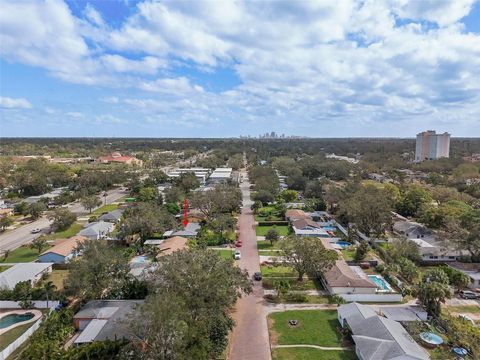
228, 68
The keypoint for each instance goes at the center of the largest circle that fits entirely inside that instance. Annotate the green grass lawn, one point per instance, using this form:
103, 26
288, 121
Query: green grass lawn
21, 254
105, 208
226, 253
348, 254
12, 335
315, 327
270, 253
472, 309
57, 276
71, 231
311, 354
3, 268
267, 245
278, 271
262, 230
306, 284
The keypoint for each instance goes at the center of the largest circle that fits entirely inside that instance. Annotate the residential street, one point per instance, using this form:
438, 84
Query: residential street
249, 339
22, 235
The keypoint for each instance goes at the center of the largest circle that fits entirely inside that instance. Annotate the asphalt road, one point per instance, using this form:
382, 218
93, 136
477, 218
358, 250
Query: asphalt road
249, 338
23, 234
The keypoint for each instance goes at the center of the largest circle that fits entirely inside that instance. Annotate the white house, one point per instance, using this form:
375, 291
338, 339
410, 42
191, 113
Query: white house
31, 272
97, 230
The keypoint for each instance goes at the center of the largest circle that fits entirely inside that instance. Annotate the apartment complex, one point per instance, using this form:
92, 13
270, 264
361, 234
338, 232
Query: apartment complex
430, 145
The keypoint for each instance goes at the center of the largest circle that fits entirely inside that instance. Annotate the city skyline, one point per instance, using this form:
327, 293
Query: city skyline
225, 69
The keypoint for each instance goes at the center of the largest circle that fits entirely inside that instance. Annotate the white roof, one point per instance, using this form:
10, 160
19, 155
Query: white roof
21, 272
153, 242
223, 170
91, 331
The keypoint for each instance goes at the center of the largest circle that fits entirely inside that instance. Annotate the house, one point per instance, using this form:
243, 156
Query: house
190, 231
295, 214
342, 279
170, 245
200, 173
308, 227
431, 248
116, 157
472, 270
376, 337
220, 175
32, 272
63, 252
101, 320
112, 216
97, 230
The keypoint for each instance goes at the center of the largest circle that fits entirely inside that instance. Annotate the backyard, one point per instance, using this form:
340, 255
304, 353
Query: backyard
12, 335
57, 277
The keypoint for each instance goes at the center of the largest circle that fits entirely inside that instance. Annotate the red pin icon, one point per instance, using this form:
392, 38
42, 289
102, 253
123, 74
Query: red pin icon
185, 210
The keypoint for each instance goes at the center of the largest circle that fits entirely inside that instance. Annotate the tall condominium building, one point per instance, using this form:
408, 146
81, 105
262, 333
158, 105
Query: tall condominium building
431, 145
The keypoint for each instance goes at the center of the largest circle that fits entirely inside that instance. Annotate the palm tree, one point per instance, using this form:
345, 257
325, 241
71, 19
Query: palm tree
48, 287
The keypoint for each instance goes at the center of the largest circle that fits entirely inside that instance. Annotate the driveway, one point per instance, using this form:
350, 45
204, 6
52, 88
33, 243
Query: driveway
249, 338
22, 235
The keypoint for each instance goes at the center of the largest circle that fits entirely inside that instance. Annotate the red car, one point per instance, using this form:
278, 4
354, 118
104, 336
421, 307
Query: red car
238, 244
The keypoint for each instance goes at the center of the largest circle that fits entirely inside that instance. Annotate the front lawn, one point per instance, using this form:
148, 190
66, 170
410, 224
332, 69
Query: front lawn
471, 309
104, 209
311, 354
71, 231
267, 245
295, 285
262, 230
278, 271
22, 254
12, 335
315, 327
225, 253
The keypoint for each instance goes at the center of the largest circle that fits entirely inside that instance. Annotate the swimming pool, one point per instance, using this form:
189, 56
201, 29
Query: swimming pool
11, 319
381, 283
343, 244
139, 260
329, 228
431, 338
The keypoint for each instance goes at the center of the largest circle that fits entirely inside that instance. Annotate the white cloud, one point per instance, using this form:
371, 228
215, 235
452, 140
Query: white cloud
14, 103
297, 63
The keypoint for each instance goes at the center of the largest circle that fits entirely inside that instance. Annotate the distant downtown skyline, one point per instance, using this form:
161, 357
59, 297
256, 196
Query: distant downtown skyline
233, 68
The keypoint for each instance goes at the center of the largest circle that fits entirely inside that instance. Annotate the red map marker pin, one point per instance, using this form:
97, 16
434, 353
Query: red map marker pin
185, 210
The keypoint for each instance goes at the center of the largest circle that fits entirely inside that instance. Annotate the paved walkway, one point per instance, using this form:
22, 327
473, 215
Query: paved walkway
249, 338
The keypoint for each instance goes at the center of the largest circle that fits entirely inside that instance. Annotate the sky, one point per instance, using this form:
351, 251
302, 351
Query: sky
330, 68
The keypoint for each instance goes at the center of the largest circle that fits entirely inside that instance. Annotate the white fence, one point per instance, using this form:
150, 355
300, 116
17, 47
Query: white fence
17, 343
372, 297
38, 304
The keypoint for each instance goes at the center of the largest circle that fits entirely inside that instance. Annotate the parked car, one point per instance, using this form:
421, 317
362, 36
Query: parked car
36, 231
257, 276
238, 244
237, 255
466, 294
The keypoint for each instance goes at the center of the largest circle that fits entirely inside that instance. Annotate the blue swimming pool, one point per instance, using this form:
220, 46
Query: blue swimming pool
431, 338
139, 260
343, 244
11, 319
381, 283
329, 228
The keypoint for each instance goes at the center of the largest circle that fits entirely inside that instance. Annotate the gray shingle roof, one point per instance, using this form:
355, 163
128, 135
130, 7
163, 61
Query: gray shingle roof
21, 272
379, 338
114, 215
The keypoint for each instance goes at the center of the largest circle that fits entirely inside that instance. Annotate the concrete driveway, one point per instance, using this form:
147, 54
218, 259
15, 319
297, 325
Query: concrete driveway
249, 338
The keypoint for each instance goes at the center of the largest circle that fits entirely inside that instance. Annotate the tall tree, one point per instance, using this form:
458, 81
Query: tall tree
90, 202
39, 244
5, 222
36, 209
62, 219
272, 235
307, 255
187, 315
433, 290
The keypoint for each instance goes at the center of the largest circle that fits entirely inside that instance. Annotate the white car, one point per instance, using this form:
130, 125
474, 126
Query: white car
237, 255
36, 231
